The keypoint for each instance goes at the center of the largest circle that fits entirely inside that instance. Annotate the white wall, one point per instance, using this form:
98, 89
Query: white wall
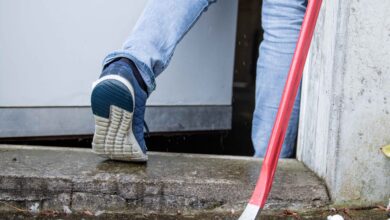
345, 114
51, 51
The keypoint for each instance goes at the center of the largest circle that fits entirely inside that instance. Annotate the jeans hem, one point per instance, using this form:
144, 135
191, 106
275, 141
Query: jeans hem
146, 73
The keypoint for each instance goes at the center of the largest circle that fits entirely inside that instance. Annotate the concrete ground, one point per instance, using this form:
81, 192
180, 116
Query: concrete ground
71, 183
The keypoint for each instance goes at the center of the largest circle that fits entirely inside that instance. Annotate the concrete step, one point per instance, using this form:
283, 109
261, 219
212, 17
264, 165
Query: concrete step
173, 185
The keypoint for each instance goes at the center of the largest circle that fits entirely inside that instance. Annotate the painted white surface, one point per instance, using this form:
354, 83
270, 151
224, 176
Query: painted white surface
345, 114
51, 52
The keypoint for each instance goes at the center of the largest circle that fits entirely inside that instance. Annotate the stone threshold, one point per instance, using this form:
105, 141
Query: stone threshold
170, 185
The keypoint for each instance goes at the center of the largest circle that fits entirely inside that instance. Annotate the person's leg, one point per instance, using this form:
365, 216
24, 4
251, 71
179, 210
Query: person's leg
157, 32
281, 21
118, 99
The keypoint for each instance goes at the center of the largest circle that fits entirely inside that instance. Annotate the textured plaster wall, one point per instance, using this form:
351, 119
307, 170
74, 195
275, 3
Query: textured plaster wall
345, 116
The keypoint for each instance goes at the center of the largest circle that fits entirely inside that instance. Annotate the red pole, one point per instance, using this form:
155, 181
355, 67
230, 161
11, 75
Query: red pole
264, 183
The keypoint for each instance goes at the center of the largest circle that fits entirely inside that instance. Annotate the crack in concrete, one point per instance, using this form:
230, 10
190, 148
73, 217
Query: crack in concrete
71, 195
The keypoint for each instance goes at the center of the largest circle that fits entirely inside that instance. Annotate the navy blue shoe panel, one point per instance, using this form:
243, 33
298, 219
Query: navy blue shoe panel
110, 92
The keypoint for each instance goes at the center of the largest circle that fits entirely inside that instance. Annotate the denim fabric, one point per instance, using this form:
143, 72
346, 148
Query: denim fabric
154, 38
281, 22
164, 23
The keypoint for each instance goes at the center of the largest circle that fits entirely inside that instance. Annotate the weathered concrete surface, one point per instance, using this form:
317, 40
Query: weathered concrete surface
345, 104
372, 214
169, 184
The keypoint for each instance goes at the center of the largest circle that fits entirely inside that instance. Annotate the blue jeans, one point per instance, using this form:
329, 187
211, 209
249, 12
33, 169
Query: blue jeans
164, 23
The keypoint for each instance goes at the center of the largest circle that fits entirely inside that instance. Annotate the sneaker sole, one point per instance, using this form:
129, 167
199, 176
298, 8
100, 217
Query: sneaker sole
113, 105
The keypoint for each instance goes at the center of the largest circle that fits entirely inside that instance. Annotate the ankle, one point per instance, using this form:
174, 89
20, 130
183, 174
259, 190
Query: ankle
134, 70
136, 73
